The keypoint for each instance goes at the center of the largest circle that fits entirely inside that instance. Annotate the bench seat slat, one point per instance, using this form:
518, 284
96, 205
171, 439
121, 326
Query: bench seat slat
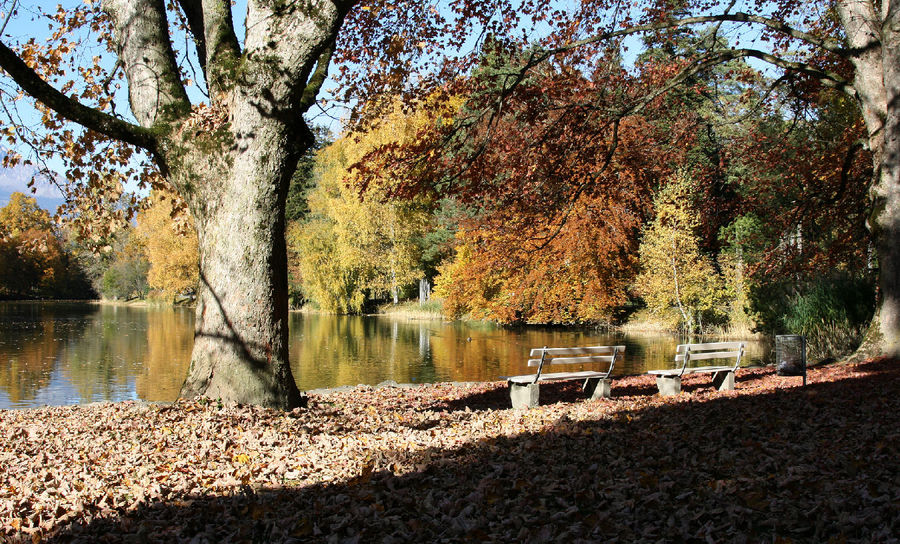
555, 376
589, 350
690, 370
730, 346
707, 355
572, 360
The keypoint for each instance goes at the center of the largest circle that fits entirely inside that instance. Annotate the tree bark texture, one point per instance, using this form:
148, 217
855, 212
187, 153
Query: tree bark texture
874, 38
240, 337
232, 161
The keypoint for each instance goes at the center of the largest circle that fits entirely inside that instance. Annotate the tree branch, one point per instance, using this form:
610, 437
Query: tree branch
826, 77
221, 49
314, 84
71, 109
143, 45
193, 13
832, 46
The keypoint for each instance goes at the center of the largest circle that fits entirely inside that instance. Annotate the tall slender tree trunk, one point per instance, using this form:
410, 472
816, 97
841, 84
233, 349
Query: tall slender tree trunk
688, 323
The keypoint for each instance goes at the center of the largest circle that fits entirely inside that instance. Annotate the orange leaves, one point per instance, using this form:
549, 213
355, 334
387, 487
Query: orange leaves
563, 267
92, 168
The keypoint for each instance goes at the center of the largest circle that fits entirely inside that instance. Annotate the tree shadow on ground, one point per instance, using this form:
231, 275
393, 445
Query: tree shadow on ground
811, 464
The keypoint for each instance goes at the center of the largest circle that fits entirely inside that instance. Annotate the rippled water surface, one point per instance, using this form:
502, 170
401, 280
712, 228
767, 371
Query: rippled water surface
73, 353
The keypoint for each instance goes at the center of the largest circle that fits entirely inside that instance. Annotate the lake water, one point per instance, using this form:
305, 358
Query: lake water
74, 353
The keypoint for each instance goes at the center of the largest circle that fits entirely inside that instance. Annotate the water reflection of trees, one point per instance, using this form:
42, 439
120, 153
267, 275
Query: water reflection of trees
328, 350
170, 338
33, 339
31, 353
115, 352
104, 353
102, 362
331, 350
484, 354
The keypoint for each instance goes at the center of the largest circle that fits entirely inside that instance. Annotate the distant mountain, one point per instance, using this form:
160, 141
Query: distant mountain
16, 179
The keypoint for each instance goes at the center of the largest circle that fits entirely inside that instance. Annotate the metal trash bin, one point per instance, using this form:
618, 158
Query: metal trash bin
790, 355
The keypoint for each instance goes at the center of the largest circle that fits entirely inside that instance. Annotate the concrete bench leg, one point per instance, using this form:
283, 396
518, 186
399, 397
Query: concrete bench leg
668, 385
723, 380
597, 388
523, 395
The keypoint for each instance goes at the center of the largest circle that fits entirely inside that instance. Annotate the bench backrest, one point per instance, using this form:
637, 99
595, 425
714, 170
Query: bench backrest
581, 355
685, 353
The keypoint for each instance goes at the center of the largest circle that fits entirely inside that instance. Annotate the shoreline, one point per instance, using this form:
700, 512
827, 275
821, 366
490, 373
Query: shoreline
410, 311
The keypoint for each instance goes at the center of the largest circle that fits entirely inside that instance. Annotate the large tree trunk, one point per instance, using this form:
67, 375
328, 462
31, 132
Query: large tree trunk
877, 81
885, 218
231, 161
241, 333
235, 180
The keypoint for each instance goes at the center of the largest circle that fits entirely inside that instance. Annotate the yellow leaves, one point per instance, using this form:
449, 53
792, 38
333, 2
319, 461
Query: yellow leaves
677, 282
353, 242
170, 244
23, 213
241, 459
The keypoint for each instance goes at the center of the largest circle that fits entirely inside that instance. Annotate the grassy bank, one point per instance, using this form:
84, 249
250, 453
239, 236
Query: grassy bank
770, 461
413, 310
405, 310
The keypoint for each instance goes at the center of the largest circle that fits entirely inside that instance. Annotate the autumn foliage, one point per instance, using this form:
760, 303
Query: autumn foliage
34, 259
679, 284
170, 245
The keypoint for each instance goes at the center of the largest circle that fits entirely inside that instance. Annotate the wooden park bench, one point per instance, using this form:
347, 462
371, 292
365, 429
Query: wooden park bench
669, 381
524, 392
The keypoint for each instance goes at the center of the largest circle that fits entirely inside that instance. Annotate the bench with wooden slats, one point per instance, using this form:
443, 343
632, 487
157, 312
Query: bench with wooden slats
669, 381
524, 391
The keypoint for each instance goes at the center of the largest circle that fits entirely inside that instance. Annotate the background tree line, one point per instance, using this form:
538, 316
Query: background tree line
155, 256
706, 218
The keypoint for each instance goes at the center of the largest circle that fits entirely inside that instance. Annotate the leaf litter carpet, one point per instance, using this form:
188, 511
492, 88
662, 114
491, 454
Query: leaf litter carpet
768, 462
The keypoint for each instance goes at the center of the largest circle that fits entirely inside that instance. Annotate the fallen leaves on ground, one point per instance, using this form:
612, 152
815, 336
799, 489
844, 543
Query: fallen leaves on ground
770, 461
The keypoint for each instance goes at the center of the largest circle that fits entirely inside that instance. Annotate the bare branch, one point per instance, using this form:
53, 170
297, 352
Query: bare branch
12, 9
193, 13
832, 46
826, 77
314, 84
71, 109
